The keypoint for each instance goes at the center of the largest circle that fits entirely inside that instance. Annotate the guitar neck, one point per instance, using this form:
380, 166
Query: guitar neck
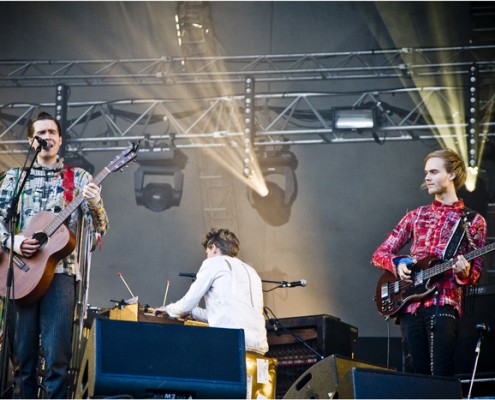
440, 268
72, 206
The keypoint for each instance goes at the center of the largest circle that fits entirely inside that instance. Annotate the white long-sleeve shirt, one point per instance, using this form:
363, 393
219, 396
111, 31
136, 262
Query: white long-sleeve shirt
233, 299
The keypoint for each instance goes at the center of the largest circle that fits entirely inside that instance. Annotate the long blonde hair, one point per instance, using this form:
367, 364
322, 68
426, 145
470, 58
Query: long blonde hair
453, 164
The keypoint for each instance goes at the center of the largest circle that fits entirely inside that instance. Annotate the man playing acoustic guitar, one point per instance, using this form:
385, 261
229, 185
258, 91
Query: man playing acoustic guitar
428, 310
48, 319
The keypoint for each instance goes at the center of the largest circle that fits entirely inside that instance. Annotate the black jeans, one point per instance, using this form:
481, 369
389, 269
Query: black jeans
430, 337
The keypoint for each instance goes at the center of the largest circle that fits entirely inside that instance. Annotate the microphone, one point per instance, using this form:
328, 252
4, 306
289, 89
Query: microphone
302, 283
43, 143
188, 274
483, 328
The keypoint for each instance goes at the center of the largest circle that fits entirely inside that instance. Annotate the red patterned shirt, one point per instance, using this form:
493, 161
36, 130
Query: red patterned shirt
429, 229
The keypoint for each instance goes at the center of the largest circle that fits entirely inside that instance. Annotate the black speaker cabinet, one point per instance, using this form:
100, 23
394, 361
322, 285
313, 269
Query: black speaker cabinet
362, 383
324, 333
482, 312
321, 380
146, 360
465, 355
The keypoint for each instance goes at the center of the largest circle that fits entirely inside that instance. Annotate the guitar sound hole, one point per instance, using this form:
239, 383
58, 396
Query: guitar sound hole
41, 237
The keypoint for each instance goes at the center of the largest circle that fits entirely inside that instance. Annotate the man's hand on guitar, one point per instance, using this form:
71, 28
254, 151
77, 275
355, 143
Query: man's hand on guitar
24, 246
403, 270
29, 247
91, 193
403, 273
462, 267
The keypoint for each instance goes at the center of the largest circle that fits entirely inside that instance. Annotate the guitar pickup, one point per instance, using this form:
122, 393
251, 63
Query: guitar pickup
384, 291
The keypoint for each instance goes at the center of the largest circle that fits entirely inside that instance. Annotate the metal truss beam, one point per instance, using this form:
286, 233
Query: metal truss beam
370, 64
281, 119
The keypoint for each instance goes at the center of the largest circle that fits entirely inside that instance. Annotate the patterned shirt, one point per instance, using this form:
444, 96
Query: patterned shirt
44, 191
429, 229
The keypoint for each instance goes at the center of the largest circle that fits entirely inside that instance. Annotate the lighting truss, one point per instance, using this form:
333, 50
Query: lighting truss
169, 71
282, 119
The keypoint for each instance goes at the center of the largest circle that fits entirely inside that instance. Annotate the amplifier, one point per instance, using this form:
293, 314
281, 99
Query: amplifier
295, 338
465, 355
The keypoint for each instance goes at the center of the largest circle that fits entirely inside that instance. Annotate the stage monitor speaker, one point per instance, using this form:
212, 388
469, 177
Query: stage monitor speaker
321, 380
148, 360
377, 384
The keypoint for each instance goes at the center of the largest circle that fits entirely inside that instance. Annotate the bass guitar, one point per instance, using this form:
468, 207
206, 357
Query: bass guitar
32, 275
392, 294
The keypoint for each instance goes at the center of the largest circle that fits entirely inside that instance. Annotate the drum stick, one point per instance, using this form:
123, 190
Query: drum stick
166, 292
125, 283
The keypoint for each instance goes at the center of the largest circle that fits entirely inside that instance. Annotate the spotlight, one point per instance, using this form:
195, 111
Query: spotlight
354, 118
61, 99
61, 104
158, 197
167, 164
249, 124
472, 116
279, 173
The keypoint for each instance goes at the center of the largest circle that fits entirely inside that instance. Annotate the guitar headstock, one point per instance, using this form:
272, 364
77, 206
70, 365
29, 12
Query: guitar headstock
123, 158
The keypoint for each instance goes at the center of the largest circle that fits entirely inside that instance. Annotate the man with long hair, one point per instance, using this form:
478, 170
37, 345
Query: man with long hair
429, 325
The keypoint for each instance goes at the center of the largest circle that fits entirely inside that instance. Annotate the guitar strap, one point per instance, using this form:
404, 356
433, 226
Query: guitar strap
68, 183
454, 242
459, 233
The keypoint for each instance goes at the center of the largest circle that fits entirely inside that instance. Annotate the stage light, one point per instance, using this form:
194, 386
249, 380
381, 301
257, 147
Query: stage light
164, 166
354, 118
472, 114
249, 125
279, 173
61, 104
61, 100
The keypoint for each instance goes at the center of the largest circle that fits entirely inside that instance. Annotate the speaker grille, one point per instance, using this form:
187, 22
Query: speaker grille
149, 360
176, 350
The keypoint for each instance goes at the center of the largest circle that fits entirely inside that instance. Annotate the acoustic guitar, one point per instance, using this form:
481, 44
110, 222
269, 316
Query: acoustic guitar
32, 275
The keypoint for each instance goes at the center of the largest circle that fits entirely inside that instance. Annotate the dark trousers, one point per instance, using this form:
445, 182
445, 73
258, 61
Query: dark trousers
47, 322
429, 338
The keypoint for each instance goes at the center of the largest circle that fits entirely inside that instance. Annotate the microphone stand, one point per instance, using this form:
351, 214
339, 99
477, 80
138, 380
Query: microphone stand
11, 221
477, 350
280, 284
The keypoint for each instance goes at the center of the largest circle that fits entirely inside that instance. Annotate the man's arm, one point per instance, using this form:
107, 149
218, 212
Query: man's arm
197, 290
93, 208
387, 256
468, 273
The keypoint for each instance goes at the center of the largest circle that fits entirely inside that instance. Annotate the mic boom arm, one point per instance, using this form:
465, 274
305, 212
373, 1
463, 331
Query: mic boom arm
285, 284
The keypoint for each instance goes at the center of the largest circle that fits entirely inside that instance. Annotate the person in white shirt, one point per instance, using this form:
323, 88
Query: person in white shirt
232, 291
